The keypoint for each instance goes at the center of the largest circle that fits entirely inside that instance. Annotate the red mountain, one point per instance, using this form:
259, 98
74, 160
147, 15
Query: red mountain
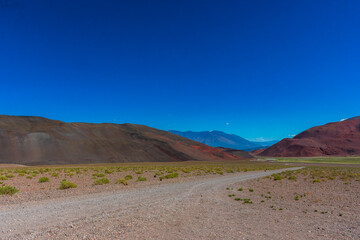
37, 140
332, 139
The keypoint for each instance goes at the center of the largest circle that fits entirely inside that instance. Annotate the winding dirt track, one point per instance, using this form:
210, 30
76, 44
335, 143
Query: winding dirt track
156, 212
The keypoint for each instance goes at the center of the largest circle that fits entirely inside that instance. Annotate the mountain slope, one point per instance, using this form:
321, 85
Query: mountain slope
338, 139
36, 140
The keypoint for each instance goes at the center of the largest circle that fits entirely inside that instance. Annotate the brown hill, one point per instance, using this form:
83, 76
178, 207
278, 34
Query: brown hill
338, 139
37, 140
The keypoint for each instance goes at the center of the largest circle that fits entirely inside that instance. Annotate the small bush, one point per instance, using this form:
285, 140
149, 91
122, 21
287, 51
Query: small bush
101, 181
240, 189
247, 200
122, 181
277, 177
251, 190
44, 179
65, 184
128, 177
99, 175
292, 178
168, 176
3, 178
141, 179
316, 181
10, 175
8, 190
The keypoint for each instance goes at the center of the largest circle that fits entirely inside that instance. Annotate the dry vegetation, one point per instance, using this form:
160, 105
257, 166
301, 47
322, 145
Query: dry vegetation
36, 183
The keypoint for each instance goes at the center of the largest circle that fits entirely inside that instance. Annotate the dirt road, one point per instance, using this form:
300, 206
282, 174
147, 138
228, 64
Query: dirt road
187, 210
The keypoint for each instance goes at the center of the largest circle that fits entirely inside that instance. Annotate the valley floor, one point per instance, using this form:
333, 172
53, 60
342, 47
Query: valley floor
198, 208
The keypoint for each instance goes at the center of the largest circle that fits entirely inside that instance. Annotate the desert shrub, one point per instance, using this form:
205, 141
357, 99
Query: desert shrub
251, 190
128, 177
292, 178
101, 181
9, 175
277, 177
64, 184
3, 178
121, 181
29, 177
99, 175
141, 179
316, 180
70, 174
168, 176
8, 190
240, 189
247, 200
44, 179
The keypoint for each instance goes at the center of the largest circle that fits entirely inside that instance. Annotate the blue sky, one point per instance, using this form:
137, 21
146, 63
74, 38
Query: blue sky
259, 69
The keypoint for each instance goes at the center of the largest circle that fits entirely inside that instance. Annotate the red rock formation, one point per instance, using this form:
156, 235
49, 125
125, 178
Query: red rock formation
332, 139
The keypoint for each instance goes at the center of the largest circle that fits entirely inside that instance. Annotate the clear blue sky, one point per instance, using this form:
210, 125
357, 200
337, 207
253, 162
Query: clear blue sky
269, 69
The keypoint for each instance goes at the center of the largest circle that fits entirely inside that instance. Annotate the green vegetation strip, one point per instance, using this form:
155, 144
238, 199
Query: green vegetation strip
333, 160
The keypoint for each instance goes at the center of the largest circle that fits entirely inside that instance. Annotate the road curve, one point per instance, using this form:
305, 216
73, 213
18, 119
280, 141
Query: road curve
26, 220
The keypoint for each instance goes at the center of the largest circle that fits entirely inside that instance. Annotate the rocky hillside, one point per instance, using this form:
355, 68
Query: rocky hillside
37, 140
332, 139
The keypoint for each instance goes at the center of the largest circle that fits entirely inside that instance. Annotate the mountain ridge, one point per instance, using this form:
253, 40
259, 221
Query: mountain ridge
217, 138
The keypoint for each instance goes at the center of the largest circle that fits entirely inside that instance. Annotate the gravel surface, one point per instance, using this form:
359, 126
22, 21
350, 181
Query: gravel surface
186, 210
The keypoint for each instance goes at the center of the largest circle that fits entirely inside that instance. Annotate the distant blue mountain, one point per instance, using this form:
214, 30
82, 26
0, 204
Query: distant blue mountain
221, 139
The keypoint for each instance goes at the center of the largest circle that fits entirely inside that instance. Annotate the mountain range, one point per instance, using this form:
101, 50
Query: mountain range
221, 139
37, 140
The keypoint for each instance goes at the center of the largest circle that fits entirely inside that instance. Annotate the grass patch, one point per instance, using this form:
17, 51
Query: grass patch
128, 177
170, 175
3, 178
64, 184
101, 181
121, 181
44, 179
141, 179
8, 190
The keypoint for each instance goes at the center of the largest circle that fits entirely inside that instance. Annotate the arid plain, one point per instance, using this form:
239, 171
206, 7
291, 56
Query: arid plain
192, 200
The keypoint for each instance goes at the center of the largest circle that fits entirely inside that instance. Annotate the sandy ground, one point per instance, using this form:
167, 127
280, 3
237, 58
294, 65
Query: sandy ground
198, 208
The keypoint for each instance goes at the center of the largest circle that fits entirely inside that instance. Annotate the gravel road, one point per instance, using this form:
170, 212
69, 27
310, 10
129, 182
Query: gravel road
186, 210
